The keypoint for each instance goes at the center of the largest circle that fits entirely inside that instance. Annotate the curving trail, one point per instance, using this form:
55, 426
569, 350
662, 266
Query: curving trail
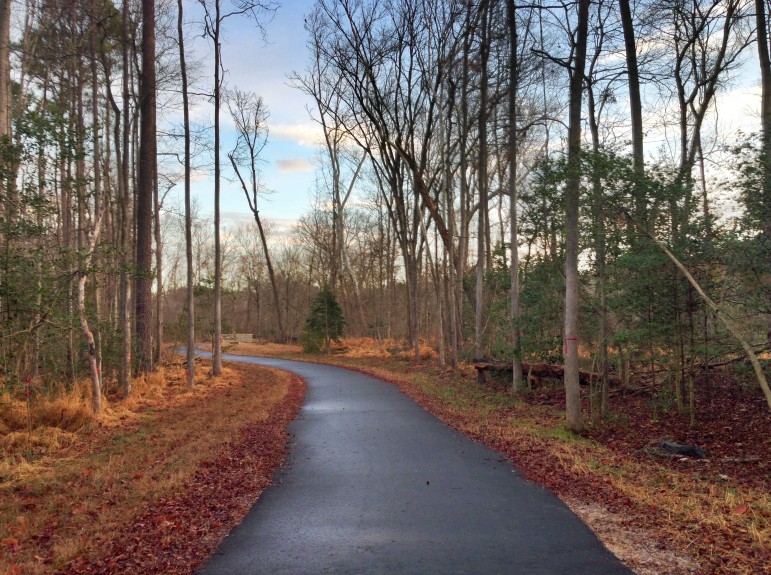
374, 484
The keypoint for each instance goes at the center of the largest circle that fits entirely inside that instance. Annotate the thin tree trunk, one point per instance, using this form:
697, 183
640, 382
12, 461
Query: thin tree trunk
572, 188
158, 324
91, 241
517, 381
635, 101
264, 242
599, 404
96, 151
188, 210
125, 212
482, 214
5, 68
217, 344
765, 115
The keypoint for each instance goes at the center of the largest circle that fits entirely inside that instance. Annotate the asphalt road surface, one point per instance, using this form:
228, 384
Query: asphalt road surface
374, 484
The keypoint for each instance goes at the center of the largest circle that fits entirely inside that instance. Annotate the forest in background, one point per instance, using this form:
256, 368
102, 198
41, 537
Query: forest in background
584, 133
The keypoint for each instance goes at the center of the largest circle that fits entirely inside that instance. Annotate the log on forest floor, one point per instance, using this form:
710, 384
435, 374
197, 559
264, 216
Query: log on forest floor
666, 448
538, 371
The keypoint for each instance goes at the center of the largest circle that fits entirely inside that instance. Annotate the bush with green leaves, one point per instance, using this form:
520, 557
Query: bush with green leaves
324, 324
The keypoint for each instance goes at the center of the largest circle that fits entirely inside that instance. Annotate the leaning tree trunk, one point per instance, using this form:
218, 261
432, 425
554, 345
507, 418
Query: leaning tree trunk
263, 240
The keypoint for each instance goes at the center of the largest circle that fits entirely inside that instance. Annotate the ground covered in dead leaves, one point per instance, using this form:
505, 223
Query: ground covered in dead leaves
154, 488
662, 515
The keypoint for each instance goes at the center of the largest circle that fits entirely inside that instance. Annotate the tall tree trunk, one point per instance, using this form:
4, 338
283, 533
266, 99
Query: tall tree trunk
633, 77
188, 210
451, 251
126, 214
145, 194
5, 67
217, 344
463, 231
516, 362
158, 323
599, 395
635, 113
572, 189
482, 214
765, 116
97, 163
252, 199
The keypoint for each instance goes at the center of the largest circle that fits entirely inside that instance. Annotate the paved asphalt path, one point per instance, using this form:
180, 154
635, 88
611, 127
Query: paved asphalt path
373, 484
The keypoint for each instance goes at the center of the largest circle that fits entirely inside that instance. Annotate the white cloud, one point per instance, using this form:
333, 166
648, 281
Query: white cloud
302, 133
294, 165
199, 175
739, 109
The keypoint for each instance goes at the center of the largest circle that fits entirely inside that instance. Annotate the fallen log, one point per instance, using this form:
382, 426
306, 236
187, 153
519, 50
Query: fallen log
679, 449
537, 371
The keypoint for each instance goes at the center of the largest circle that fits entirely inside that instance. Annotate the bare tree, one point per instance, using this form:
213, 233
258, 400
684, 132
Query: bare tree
328, 94
213, 28
250, 118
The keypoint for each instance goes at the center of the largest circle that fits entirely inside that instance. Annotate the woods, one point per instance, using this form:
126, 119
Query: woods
500, 181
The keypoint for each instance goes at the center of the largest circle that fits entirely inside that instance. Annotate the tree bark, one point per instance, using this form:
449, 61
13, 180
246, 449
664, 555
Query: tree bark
5, 68
517, 381
217, 344
126, 215
765, 117
572, 189
143, 298
482, 214
190, 291
96, 386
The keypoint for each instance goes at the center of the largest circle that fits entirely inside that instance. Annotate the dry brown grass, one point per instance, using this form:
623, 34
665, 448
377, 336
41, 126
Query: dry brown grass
349, 347
67, 485
267, 349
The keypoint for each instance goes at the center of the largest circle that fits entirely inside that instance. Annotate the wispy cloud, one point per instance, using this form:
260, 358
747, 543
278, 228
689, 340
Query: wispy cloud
302, 133
294, 165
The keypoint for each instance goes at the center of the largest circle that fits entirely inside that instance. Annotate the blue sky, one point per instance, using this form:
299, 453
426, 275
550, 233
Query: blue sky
289, 171
256, 66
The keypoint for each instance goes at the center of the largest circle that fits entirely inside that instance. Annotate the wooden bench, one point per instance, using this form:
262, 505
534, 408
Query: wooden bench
238, 338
